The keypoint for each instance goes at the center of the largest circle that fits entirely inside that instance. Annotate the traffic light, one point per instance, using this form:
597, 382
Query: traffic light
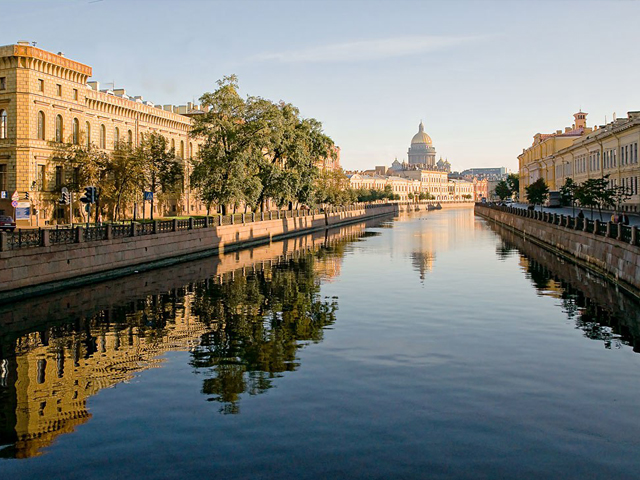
26, 195
64, 198
89, 195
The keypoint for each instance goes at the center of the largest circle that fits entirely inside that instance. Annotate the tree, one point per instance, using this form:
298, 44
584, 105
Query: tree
513, 181
595, 192
126, 175
255, 150
89, 163
537, 192
567, 193
332, 187
161, 169
502, 190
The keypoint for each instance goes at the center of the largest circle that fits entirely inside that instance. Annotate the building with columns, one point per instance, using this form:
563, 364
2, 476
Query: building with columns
46, 99
582, 153
421, 152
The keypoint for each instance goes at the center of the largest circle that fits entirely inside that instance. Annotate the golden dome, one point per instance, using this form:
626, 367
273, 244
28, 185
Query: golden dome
421, 137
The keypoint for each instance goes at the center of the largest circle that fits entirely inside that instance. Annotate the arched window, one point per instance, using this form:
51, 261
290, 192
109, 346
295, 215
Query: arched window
59, 129
181, 149
88, 130
76, 131
190, 149
41, 123
173, 145
103, 136
116, 137
130, 138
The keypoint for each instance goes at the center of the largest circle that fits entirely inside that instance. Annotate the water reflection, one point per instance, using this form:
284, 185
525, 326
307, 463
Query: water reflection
242, 316
601, 311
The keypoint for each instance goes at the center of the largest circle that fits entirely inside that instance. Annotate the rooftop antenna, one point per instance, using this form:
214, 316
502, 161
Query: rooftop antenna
33, 44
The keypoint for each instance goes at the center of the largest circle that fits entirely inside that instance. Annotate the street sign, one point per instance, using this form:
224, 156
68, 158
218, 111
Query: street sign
14, 204
23, 211
15, 196
4, 194
148, 196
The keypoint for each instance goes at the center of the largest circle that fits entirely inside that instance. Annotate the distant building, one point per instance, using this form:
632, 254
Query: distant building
421, 152
489, 173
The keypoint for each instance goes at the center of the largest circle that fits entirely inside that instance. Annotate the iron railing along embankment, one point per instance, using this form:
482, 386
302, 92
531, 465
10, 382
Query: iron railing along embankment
618, 231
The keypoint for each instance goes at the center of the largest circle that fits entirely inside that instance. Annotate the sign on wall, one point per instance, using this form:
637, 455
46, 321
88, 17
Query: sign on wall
23, 211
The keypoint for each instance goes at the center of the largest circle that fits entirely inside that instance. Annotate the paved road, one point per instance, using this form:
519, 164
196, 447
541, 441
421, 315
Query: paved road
633, 218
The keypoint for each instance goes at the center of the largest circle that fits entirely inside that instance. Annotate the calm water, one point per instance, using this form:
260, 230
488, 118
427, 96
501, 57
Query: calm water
427, 346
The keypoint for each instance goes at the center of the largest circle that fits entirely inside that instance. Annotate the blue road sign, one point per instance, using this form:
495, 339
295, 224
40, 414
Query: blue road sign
148, 196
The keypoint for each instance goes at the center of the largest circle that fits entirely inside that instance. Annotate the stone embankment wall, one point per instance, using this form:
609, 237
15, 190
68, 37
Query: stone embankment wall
615, 259
28, 271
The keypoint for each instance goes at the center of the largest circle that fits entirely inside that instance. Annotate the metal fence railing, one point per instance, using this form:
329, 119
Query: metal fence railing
29, 238
619, 231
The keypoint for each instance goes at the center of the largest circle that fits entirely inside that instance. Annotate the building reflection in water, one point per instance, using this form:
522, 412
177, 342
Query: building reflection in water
601, 311
242, 317
438, 233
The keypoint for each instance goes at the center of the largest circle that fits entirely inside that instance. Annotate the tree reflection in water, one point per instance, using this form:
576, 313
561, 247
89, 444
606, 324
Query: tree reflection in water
258, 322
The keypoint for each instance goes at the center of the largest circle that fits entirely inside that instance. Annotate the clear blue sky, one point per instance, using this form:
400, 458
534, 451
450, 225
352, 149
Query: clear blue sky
484, 76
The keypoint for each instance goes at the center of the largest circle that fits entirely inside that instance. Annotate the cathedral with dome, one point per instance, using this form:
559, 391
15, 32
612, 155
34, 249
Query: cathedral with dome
421, 151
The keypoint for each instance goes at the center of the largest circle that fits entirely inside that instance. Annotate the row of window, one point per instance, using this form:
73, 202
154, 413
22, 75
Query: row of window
75, 135
628, 156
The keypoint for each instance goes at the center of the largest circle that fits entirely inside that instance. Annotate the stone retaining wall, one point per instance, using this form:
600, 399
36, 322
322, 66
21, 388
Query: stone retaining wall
617, 260
43, 269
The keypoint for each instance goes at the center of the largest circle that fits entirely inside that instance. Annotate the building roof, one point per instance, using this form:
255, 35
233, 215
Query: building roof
421, 137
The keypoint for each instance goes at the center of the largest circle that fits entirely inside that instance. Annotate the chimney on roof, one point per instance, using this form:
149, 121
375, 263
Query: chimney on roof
567, 129
24, 42
168, 108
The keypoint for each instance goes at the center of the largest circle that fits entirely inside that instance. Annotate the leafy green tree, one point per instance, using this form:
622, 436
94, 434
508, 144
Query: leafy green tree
162, 171
595, 192
567, 193
126, 176
221, 171
537, 192
332, 187
502, 189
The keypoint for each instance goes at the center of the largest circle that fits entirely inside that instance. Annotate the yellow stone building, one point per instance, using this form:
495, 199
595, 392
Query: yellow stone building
539, 160
46, 98
582, 153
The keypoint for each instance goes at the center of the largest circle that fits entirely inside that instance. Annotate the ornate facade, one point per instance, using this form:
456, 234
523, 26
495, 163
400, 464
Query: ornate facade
421, 152
46, 98
582, 153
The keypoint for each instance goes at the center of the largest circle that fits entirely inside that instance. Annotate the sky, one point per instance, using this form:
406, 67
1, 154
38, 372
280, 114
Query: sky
483, 76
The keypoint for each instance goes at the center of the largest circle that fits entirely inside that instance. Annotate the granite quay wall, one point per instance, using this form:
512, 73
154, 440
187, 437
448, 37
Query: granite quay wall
56, 259
60, 307
611, 250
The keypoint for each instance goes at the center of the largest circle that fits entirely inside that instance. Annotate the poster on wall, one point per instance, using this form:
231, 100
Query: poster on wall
23, 211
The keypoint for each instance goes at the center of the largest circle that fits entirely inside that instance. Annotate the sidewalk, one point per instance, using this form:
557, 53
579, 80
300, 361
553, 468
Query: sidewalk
634, 219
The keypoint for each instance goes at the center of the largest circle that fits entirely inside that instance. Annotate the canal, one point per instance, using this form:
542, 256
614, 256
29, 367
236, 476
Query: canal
432, 345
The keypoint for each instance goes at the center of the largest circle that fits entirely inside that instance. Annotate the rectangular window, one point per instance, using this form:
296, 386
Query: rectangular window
3, 83
41, 177
75, 94
40, 85
3, 177
76, 176
59, 179
59, 90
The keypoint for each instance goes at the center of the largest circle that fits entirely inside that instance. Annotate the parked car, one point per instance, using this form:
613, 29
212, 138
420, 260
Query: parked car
7, 223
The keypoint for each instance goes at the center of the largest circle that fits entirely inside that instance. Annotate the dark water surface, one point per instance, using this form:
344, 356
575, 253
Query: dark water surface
428, 346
